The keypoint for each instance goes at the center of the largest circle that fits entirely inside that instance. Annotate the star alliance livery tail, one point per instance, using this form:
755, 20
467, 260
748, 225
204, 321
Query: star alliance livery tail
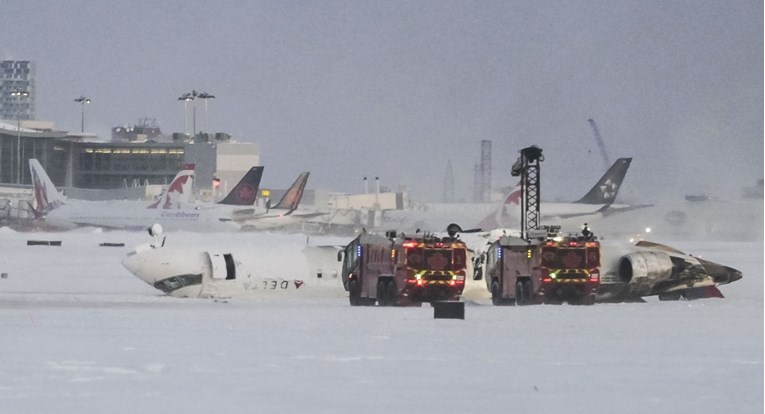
598, 200
292, 197
605, 191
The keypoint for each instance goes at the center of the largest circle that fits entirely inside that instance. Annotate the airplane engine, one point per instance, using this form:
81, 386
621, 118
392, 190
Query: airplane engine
641, 271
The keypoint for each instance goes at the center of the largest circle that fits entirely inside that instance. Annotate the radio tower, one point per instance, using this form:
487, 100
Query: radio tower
449, 184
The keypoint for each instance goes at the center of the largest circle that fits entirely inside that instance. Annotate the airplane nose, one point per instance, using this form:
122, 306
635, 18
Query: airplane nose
134, 264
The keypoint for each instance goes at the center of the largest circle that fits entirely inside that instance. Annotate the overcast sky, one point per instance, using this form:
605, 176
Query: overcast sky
396, 89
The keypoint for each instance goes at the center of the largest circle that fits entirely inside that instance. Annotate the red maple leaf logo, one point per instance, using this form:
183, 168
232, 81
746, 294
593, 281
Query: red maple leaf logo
245, 193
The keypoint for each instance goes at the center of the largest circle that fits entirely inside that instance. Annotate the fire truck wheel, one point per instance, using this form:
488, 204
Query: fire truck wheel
391, 295
520, 294
495, 295
528, 292
381, 293
353, 293
588, 300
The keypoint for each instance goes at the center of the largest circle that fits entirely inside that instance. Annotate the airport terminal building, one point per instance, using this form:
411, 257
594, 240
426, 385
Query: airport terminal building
80, 162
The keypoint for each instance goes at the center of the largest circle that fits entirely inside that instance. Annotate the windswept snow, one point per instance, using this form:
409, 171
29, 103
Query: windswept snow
82, 335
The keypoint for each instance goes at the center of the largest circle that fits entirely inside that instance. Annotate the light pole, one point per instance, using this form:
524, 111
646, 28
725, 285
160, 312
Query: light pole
83, 100
186, 97
18, 93
205, 96
194, 95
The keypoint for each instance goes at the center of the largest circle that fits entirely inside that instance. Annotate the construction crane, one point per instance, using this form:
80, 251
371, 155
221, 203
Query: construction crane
601, 144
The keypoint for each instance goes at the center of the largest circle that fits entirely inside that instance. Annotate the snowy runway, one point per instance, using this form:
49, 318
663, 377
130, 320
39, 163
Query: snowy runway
81, 335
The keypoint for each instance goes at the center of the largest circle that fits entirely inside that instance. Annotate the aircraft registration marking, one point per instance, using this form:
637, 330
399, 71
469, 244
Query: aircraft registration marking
275, 284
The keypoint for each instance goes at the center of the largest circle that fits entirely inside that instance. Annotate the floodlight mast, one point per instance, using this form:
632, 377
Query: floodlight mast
527, 167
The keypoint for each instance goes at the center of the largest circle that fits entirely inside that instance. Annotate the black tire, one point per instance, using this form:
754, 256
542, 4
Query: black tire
528, 292
588, 300
496, 298
380, 293
520, 294
391, 294
354, 294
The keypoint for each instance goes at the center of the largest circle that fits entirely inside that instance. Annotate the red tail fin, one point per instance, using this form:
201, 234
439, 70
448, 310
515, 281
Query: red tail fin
178, 191
502, 215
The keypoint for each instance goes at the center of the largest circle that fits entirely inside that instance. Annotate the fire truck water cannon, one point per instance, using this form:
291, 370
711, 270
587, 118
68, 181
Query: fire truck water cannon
529, 155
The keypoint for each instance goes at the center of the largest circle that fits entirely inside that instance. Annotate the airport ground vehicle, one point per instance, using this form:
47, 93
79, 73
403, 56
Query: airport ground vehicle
401, 270
548, 269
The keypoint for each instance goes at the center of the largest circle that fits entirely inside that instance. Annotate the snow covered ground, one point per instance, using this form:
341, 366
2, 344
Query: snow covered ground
82, 335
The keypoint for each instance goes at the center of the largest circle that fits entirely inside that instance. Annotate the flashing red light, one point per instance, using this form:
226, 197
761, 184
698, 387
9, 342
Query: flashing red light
550, 243
572, 243
452, 283
593, 279
547, 280
419, 282
410, 244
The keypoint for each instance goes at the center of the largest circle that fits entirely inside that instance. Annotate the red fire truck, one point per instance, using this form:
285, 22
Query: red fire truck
551, 269
400, 270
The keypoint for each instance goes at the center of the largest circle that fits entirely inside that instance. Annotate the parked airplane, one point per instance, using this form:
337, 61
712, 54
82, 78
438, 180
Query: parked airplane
598, 201
243, 265
284, 213
173, 214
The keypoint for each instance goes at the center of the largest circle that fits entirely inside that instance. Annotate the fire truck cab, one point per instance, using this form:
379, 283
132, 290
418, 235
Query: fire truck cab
552, 269
401, 270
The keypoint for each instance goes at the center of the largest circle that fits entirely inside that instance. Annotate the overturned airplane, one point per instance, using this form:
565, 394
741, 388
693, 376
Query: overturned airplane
651, 269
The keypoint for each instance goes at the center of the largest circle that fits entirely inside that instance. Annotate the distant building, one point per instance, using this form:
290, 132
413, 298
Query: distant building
145, 130
17, 75
71, 161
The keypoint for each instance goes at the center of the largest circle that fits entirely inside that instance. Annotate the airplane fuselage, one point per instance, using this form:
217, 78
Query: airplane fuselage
276, 268
116, 215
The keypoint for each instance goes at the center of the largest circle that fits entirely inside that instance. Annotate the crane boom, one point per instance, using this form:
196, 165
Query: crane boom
601, 144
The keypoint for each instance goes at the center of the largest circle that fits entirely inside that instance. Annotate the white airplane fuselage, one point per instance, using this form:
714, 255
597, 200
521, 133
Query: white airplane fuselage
135, 216
278, 267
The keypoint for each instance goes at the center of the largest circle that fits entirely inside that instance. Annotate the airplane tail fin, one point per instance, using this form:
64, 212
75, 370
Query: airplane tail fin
293, 195
179, 190
502, 215
606, 189
245, 192
46, 196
